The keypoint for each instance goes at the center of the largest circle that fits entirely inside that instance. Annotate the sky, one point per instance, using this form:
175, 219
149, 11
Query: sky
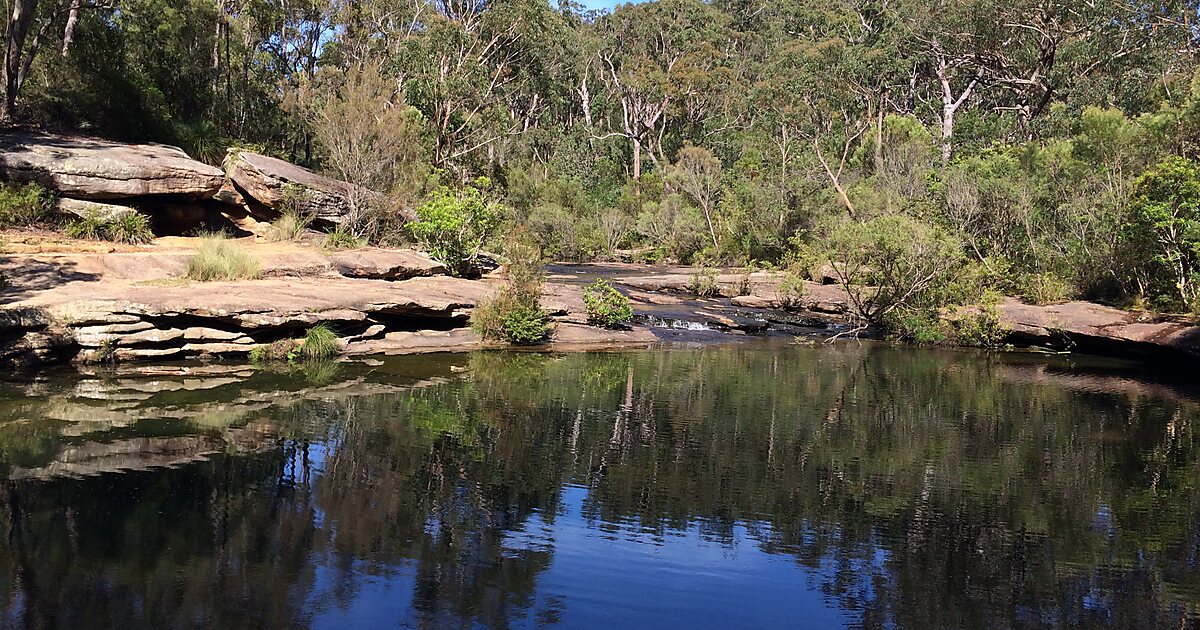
603, 4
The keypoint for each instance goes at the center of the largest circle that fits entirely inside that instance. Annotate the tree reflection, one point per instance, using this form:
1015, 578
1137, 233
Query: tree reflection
919, 489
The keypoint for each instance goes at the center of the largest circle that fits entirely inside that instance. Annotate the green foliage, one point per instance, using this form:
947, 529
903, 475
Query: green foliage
320, 342
505, 316
980, 327
319, 345
664, 142
289, 226
606, 306
218, 259
892, 263
791, 290
107, 351
24, 205
454, 226
1165, 226
919, 326
514, 313
131, 228
1044, 288
273, 352
341, 237
525, 324
704, 282
87, 228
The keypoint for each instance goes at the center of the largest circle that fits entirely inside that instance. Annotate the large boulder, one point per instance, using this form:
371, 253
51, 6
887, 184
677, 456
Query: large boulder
92, 209
94, 169
266, 180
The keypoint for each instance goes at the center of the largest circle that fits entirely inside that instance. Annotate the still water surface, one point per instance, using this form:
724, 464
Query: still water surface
755, 485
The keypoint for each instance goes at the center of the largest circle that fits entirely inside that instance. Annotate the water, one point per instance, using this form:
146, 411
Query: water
752, 485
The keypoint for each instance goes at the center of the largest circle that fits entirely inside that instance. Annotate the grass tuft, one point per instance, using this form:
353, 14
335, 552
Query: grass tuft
131, 228
320, 343
342, 238
289, 226
219, 259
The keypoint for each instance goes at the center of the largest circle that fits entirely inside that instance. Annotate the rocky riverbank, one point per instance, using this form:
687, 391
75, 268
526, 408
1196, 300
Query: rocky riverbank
133, 304
82, 301
1071, 326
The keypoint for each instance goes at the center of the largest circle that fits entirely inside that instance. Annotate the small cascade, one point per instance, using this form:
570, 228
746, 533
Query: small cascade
655, 321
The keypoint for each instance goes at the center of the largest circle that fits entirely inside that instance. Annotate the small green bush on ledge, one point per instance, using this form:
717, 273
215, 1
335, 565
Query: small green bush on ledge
342, 237
319, 344
606, 306
219, 259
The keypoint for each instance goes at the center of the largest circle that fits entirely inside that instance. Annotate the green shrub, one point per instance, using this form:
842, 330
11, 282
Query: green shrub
791, 290
131, 228
1044, 288
487, 319
320, 342
745, 285
704, 282
219, 259
606, 306
514, 314
525, 324
507, 316
454, 226
892, 265
342, 238
24, 205
920, 326
1162, 238
980, 327
87, 228
272, 352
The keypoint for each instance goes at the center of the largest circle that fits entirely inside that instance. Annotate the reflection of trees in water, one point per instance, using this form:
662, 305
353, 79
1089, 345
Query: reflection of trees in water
923, 489
216, 542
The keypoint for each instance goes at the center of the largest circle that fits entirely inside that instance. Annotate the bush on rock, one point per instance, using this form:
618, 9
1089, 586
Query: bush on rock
606, 306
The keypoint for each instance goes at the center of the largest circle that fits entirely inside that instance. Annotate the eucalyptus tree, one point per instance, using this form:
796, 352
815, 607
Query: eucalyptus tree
656, 63
31, 25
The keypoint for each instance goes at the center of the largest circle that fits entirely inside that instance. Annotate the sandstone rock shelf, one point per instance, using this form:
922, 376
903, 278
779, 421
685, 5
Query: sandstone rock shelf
133, 305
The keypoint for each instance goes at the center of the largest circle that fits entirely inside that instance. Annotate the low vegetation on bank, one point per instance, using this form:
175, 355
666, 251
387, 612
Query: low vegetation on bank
131, 228
514, 313
25, 205
219, 259
320, 343
606, 306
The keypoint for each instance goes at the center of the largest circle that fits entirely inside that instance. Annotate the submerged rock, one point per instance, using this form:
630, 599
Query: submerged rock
93, 169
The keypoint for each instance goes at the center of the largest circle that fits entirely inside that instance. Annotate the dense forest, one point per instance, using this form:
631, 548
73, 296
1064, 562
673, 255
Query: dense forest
1041, 148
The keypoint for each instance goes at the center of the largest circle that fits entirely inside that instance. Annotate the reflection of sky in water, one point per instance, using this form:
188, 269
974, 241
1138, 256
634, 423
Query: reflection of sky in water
623, 579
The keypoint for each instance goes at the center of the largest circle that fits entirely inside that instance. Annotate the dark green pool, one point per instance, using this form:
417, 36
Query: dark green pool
753, 485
